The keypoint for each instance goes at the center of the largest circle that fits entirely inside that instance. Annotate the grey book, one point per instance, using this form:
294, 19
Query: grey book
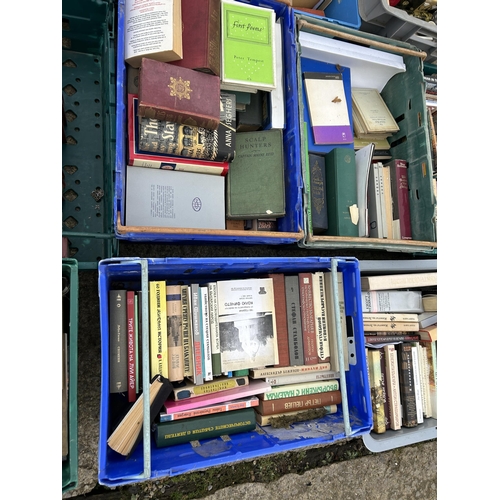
295, 342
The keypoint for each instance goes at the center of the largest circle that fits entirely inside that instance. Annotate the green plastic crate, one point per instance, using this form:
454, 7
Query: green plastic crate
70, 313
89, 96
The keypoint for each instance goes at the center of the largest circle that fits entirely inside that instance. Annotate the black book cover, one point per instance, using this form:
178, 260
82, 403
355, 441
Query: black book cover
319, 214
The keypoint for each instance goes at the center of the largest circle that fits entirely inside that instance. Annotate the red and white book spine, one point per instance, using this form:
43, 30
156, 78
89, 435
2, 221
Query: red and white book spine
131, 389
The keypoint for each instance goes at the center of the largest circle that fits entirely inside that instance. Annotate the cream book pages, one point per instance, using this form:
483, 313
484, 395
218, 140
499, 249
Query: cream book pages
373, 111
328, 108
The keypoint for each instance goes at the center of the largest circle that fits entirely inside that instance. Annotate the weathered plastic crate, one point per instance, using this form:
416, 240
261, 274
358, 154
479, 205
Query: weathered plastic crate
404, 94
70, 313
354, 416
88, 90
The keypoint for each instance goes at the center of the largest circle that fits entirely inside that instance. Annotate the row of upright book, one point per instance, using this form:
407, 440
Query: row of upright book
262, 348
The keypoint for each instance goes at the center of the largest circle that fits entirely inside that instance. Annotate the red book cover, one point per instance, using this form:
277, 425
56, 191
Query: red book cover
401, 196
308, 319
200, 36
180, 95
138, 158
298, 403
281, 318
131, 346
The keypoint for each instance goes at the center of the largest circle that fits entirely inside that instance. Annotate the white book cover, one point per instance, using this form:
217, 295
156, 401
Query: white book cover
320, 313
278, 95
205, 334
383, 206
418, 384
167, 198
363, 162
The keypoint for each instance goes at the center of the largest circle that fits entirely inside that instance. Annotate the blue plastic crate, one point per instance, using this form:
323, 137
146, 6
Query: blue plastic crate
290, 227
344, 12
354, 416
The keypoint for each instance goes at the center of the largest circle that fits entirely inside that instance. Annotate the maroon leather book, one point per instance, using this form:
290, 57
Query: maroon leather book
281, 319
181, 95
401, 196
200, 36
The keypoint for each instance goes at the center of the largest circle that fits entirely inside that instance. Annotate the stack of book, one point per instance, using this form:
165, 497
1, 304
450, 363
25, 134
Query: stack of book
401, 348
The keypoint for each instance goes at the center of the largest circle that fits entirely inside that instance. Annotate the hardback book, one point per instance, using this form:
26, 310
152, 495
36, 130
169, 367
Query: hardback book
128, 433
380, 144
377, 401
138, 158
205, 334
392, 385
373, 112
317, 190
247, 323
393, 281
429, 302
180, 95
248, 47
407, 385
164, 42
392, 301
375, 218
429, 334
235, 404
200, 36
158, 342
308, 319
320, 315
174, 333
384, 339
255, 186
302, 378
418, 384
363, 168
430, 349
289, 370
213, 304
427, 318
264, 420
177, 139
261, 224
386, 195
204, 427
118, 362
187, 335
253, 388
281, 318
408, 317
327, 104
294, 323
252, 118
164, 198
305, 402
197, 377
138, 342
423, 367
400, 199
390, 326
187, 389
131, 347
300, 389
384, 387
341, 193
277, 96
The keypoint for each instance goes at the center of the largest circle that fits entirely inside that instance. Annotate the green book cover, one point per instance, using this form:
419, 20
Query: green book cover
255, 187
248, 45
341, 192
203, 427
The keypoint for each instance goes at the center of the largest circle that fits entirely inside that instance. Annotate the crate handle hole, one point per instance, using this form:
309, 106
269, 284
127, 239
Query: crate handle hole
70, 116
70, 169
71, 140
69, 90
97, 194
69, 63
70, 195
70, 222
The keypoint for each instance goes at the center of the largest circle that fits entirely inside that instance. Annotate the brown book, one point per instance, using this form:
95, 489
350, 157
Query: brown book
281, 318
201, 36
376, 391
407, 385
180, 95
308, 319
307, 402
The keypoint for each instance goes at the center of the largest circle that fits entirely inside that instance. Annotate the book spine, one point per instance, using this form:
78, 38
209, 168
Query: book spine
193, 391
382, 200
374, 207
383, 381
343, 319
131, 347
178, 117
281, 318
374, 339
264, 420
298, 389
289, 370
214, 328
401, 195
393, 394
305, 377
206, 426
390, 326
158, 344
317, 190
376, 391
390, 317
197, 343
424, 380
138, 342
172, 163
187, 339
308, 402
407, 385
174, 333
321, 320
205, 333
418, 384
295, 342
391, 281
386, 181
117, 341
392, 301
307, 317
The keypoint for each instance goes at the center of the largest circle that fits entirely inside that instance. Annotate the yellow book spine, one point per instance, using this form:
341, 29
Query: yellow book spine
158, 347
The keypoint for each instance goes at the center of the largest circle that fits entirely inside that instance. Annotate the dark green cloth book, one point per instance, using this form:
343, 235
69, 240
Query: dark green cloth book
255, 187
318, 193
341, 192
206, 426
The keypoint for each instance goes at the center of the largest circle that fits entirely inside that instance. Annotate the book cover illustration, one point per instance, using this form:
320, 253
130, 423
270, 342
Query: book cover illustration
247, 323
